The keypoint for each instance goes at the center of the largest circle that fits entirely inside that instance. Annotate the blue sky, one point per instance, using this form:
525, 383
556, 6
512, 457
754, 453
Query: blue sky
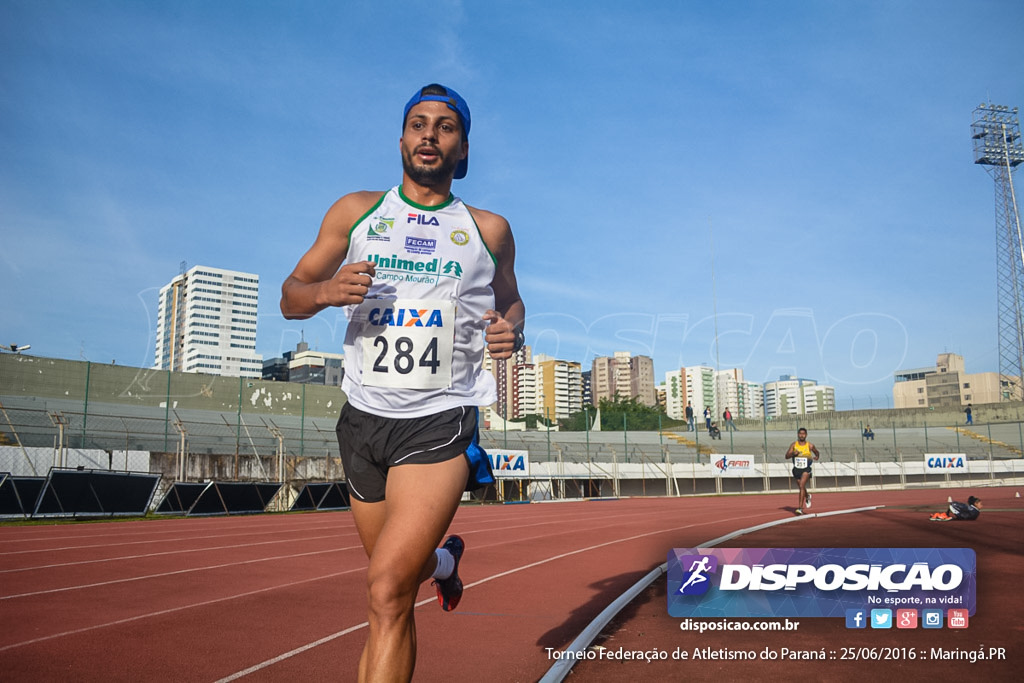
819, 151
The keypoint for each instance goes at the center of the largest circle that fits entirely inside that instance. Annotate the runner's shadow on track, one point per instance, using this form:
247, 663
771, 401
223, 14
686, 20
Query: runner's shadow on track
606, 591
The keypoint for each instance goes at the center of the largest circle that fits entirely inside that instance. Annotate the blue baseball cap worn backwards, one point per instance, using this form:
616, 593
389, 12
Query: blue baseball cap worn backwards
455, 103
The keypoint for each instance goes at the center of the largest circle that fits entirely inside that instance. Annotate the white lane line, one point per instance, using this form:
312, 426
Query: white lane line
171, 610
164, 541
174, 573
167, 552
309, 646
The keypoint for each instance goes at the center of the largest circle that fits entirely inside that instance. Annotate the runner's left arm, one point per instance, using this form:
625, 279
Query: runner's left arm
506, 320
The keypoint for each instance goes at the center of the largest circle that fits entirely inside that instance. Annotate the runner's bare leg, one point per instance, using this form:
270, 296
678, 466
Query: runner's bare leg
400, 535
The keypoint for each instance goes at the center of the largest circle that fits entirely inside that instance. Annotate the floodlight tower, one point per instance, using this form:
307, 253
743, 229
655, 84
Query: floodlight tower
995, 131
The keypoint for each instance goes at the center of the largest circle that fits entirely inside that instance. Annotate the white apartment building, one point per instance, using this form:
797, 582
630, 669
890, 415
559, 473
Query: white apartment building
696, 385
206, 322
525, 392
796, 396
742, 398
704, 387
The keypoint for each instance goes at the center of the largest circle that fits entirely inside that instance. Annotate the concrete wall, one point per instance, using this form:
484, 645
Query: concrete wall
881, 418
34, 377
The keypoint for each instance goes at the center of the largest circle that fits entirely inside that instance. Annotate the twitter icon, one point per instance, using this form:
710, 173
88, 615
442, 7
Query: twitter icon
881, 618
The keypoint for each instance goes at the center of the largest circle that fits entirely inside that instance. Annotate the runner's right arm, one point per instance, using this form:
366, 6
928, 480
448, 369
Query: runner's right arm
319, 280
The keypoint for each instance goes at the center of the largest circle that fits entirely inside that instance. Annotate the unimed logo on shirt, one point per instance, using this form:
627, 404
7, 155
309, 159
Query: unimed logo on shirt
817, 582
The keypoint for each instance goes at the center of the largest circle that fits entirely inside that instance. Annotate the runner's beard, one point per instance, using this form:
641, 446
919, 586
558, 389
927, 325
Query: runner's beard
429, 175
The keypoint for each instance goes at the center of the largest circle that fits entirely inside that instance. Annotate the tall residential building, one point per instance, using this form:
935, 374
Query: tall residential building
524, 398
694, 384
623, 376
947, 385
504, 372
795, 396
559, 387
742, 398
206, 322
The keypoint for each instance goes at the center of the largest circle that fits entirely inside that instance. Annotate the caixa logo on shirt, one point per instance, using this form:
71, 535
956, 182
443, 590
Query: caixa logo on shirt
807, 582
405, 317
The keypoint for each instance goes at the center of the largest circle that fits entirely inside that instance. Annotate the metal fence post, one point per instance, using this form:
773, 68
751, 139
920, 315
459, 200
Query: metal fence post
85, 409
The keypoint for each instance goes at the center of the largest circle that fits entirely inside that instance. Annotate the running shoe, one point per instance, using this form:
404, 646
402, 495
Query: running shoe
808, 501
449, 591
798, 511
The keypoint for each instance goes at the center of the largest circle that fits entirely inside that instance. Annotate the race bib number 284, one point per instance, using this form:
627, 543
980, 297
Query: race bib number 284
408, 343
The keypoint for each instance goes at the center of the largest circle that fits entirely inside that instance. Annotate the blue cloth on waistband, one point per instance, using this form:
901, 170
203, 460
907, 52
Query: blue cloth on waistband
480, 473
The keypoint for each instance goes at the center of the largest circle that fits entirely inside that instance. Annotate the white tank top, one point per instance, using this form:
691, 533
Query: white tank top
415, 346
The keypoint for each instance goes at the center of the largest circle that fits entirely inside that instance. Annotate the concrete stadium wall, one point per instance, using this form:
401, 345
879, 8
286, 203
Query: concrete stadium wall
880, 419
52, 378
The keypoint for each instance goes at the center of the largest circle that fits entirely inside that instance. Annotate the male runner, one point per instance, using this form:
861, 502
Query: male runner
425, 281
800, 451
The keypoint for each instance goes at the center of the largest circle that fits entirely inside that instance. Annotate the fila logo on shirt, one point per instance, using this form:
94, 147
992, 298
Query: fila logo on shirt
420, 219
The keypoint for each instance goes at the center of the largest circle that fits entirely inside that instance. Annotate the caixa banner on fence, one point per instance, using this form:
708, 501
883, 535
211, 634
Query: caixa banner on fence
734, 465
817, 582
507, 463
945, 462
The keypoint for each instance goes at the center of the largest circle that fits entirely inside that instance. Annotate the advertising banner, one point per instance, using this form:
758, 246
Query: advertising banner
506, 463
945, 462
734, 465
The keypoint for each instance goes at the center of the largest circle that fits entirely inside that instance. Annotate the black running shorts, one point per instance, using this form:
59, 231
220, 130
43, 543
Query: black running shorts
798, 472
371, 445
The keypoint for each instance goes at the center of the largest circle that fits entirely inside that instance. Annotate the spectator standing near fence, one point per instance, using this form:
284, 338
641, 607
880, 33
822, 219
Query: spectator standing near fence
690, 420
970, 414
426, 282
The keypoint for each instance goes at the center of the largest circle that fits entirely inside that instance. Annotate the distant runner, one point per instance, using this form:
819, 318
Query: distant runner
800, 451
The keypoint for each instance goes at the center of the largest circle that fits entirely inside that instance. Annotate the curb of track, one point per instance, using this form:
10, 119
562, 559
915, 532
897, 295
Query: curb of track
561, 668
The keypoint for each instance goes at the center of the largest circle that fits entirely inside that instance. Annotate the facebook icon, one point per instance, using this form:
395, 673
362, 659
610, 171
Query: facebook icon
856, 618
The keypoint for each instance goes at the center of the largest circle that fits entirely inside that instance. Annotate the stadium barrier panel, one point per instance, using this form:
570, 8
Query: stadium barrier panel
219, 498
332, 495
95, 493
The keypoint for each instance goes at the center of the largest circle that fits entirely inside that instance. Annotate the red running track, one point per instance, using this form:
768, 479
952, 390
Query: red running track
281, 597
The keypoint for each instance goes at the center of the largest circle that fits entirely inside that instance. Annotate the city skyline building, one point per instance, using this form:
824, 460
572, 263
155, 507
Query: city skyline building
947, 384
694, 384
206, 322
559, 387
743, 399
791, 395
306, 366
623, 376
